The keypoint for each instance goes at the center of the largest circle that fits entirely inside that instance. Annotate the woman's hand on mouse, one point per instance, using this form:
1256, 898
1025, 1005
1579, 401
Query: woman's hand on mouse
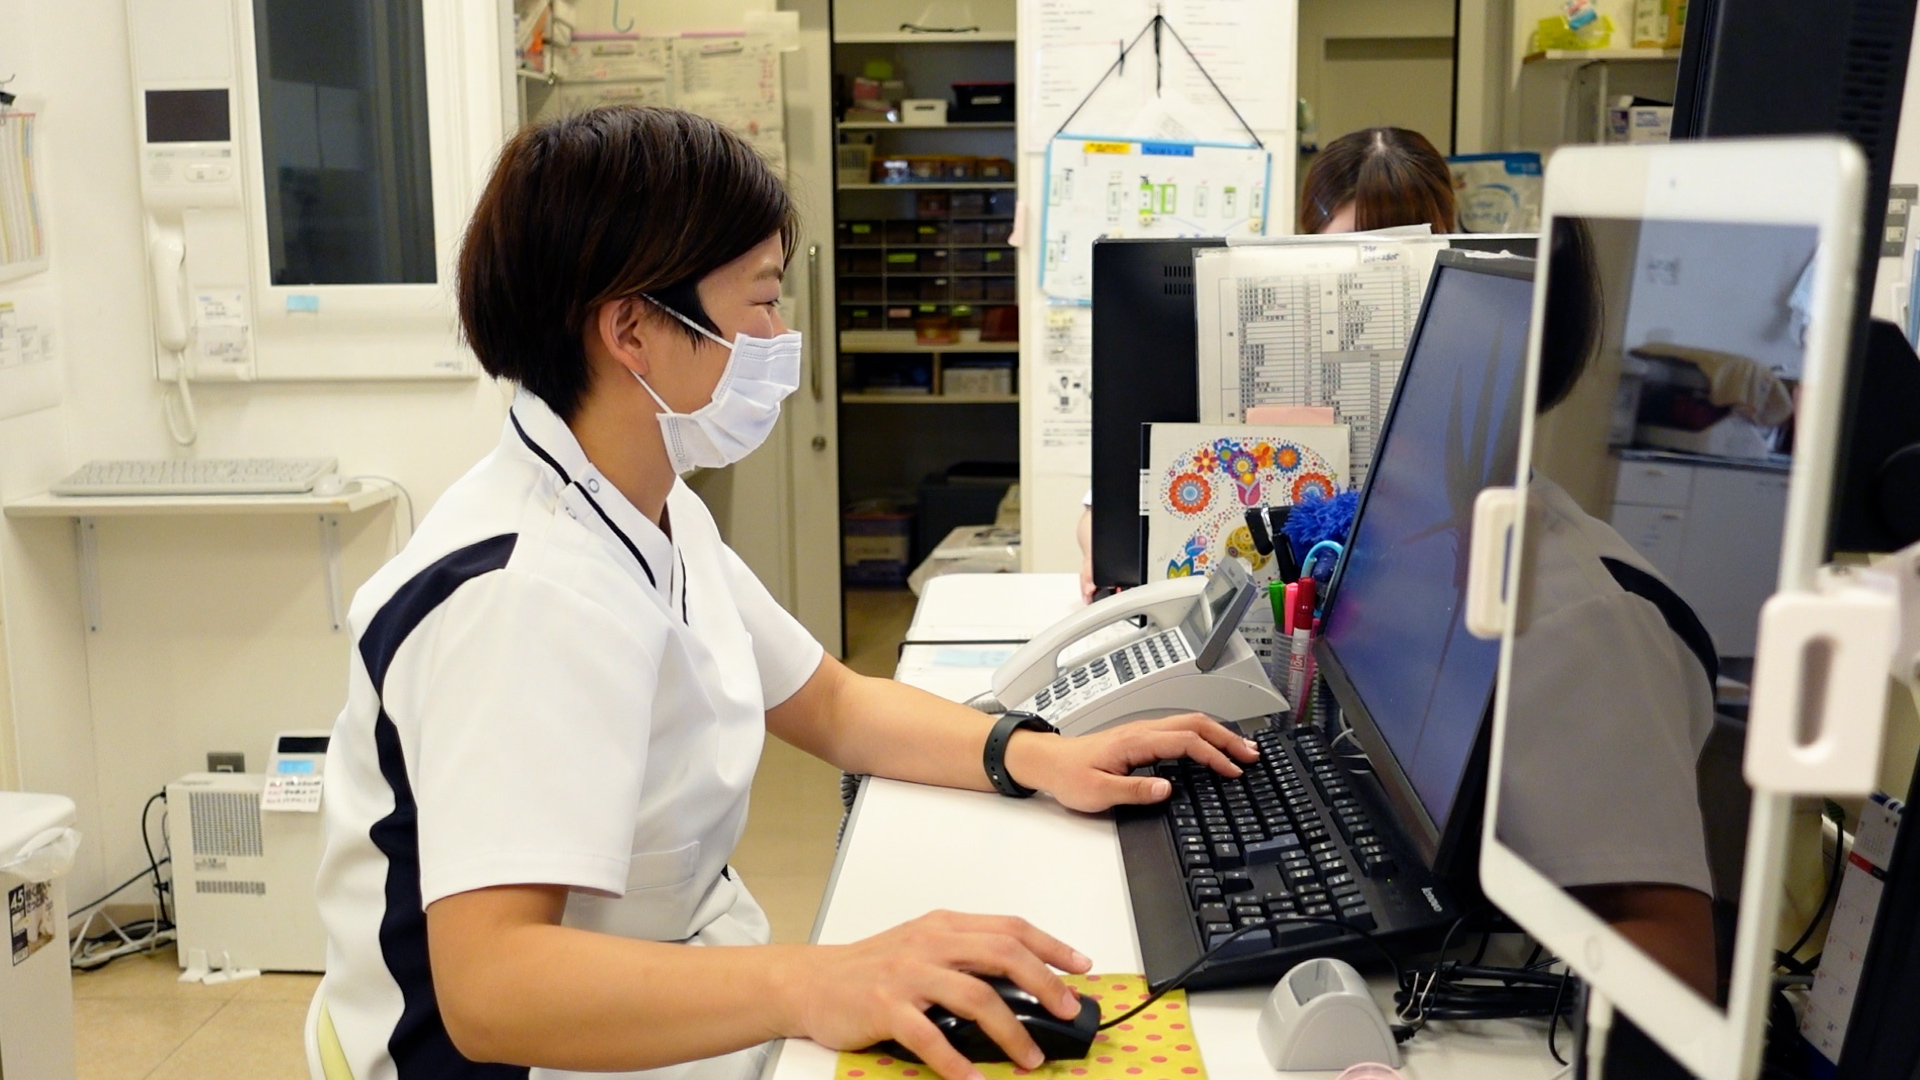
1092, 772
848, 997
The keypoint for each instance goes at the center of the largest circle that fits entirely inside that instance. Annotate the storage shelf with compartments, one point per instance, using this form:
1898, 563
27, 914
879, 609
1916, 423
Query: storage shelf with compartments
926, 277
950, 260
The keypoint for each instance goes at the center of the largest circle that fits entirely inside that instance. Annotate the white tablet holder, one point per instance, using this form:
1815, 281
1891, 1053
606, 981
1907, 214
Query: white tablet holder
1819, 697
1820, 689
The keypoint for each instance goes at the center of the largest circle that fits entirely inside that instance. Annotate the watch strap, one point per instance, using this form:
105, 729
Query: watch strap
994, 756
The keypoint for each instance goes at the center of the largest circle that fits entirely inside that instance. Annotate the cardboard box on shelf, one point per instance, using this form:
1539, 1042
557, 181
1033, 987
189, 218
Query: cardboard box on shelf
1631, 123
923, 112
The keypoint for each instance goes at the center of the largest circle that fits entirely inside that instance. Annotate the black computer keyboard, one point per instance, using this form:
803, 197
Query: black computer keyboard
1296, 834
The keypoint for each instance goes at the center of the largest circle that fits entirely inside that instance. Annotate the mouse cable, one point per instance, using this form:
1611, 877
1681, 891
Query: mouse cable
1179, 980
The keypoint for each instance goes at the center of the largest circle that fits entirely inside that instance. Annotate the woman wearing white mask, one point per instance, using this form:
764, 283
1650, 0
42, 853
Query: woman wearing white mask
561, 687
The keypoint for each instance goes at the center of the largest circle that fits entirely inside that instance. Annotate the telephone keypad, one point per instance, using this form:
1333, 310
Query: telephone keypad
1103, 673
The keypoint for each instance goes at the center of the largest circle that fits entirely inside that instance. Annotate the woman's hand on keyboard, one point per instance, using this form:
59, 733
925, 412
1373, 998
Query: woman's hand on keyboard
1093, 772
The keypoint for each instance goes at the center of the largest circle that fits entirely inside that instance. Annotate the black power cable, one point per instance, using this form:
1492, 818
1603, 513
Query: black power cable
1156, 993
118, 889
161, 889
1788, 958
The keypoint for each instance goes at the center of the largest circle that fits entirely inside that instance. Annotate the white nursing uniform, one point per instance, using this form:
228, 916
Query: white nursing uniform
546, 688
1607, 711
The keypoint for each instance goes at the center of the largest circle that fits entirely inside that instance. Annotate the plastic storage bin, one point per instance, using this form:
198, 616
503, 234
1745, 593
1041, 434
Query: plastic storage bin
876, 544
976, 102
36, 986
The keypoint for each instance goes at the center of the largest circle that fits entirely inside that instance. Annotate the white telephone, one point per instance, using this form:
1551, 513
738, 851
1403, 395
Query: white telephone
1169, 647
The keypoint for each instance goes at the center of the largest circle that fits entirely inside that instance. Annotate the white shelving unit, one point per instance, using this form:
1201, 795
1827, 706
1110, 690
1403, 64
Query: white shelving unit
1564, 94
903, 341
360, 496
918, 251
1594, 56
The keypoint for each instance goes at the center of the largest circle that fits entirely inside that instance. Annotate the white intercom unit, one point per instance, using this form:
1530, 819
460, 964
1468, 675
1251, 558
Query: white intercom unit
306, 171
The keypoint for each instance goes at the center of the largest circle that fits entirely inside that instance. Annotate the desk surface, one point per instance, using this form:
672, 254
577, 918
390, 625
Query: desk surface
1059, 870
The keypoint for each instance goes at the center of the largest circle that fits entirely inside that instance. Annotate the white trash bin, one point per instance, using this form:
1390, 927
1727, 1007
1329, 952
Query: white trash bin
37, 842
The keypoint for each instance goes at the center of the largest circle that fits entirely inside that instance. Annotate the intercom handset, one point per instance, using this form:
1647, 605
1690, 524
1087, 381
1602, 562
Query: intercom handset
1171, 647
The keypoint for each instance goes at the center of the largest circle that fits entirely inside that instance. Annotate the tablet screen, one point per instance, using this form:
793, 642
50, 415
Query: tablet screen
1656, 508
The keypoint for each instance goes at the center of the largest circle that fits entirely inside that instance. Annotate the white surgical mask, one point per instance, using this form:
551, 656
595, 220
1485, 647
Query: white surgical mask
745, 404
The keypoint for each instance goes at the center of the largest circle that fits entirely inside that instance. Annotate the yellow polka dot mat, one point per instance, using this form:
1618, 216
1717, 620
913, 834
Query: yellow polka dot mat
1155, 1045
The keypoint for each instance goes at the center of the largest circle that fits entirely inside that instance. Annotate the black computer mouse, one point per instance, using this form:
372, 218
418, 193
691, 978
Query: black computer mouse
1058, 1039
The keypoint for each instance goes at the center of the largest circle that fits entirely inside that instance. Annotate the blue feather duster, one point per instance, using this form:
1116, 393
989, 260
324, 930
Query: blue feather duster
1316, 518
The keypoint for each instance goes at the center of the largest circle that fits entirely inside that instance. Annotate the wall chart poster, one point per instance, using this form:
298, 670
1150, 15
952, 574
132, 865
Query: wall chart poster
1199, 482
1113, 188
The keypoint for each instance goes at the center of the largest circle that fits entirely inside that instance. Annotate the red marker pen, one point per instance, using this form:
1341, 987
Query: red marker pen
1300, 658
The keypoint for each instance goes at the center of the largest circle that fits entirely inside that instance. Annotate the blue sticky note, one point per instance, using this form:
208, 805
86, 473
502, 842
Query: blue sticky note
296, 766
303, 302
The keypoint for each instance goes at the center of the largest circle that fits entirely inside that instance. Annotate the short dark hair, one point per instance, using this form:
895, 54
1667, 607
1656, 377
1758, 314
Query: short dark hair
1575, 311
608, 204
1392, 176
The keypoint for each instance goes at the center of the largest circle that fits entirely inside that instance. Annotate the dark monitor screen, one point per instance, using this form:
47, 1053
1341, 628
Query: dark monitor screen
188, 116
1145, 371
1395, 649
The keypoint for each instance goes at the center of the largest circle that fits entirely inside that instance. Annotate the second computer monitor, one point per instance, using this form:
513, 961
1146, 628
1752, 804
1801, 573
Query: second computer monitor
1395, 650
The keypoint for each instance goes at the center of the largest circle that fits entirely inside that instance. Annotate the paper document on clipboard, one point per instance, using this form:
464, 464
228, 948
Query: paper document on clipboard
1310, 323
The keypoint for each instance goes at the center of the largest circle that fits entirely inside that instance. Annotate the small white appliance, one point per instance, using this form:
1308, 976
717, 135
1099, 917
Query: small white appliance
246, 849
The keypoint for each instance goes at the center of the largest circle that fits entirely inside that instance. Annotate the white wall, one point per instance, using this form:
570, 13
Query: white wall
215, 628
1372, 63
1480, 97
1050, 493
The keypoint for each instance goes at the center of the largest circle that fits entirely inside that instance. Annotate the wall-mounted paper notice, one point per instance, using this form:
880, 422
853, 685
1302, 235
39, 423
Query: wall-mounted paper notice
1313, 322
1065, 392
298, 794
30, 376
1110, 188
23, 242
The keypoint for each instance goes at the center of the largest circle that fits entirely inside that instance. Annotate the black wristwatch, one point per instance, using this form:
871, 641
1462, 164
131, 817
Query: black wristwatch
994, 757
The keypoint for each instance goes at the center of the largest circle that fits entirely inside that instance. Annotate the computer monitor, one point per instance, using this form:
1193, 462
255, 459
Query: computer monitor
1789, 67
1146, 371
1409, 678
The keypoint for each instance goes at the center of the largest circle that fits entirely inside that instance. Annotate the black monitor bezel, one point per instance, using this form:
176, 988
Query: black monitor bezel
1444, 845
1145, 350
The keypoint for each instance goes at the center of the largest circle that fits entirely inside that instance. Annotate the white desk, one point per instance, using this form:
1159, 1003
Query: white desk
912, 849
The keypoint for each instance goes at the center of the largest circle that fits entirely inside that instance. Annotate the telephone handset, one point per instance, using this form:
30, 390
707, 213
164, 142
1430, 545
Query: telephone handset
167, 256
1169, 647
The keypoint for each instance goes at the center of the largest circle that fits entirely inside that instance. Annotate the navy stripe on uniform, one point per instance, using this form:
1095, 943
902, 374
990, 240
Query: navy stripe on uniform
1679, 615
419, 1046
567, 480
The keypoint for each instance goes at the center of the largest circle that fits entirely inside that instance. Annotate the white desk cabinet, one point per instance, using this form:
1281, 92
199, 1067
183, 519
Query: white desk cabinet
1713, 530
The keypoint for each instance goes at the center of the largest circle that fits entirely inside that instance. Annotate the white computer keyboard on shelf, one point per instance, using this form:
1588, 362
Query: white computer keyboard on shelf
197, 476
